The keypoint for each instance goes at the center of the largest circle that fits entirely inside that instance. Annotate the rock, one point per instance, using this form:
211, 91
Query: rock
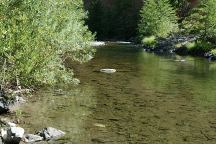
6, 123
30, 138
19, 100
99, 125
10, 124
182, 60
4, 106
51, 133
12, 135
109, 71
17, 131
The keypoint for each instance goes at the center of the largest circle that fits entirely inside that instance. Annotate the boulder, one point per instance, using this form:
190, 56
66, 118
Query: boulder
30, 138
50, 133
17, 131
12, 135
109, 71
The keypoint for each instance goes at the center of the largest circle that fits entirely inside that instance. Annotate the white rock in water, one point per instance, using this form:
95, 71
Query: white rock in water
180, 60
51, 133
30, 138
97, 43
108, 71
99, 125
17, 131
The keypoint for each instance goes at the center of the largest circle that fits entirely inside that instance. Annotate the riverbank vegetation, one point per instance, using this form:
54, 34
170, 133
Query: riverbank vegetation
37, 37
171, 18
189, 24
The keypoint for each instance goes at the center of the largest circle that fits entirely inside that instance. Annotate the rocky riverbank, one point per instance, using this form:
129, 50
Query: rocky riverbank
180, 44
10, 131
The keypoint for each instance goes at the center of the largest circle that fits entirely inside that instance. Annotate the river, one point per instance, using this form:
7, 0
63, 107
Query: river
151, 99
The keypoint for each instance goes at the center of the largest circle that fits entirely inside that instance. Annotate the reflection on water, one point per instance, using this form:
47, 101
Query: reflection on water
150, 100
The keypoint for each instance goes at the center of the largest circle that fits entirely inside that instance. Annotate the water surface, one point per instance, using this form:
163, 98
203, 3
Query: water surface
150, 100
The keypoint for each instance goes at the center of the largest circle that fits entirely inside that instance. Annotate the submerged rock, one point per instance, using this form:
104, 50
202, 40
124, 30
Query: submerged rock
109, 71
31, 138
19, 100
182, 60
6, 123
50, 133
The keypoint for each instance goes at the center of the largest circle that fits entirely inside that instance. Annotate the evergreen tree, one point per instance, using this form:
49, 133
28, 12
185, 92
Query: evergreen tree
158, 18
202, 19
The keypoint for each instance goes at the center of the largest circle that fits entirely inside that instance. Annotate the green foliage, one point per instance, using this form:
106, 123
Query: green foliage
202, 19
149, 41
190, 45
213, 52
36, 36
199, 47
157, 18
178, 3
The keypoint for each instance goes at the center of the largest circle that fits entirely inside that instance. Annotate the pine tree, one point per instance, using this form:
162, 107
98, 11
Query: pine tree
158, 18
202, 19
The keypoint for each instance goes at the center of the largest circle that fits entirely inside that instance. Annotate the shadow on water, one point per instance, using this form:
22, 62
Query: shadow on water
150, 100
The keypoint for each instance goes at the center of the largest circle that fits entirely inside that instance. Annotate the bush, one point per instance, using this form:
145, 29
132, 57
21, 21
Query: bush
198, 47
149, 41
190, 45
36, 36
157, 18
213, 52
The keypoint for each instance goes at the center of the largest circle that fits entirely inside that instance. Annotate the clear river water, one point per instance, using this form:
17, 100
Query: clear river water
151, 99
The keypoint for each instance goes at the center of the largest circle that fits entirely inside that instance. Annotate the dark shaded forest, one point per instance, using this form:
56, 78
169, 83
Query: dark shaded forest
113, 19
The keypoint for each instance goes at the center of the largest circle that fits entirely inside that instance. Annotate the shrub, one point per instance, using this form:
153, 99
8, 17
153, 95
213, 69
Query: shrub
149, 41
36, 36
213, 52
190, 45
